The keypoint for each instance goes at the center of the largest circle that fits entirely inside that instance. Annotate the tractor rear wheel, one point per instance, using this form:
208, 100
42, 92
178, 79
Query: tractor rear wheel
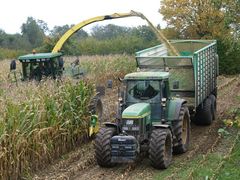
102, 147
181, 129
160, 148
204, 113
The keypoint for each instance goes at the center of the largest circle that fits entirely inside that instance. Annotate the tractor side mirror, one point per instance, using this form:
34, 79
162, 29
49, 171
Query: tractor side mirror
109, 84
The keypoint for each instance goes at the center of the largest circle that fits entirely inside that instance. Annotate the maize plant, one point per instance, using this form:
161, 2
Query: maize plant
39, 123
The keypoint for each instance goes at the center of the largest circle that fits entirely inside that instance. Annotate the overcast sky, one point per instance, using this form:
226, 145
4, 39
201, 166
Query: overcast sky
14, 13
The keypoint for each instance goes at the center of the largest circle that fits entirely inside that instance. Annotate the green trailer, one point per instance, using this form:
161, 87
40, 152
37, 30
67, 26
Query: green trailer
192, 76
156, 104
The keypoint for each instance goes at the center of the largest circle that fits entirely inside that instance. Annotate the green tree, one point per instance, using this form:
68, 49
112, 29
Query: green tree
58, 31
194, 18
144, 32
109, 31
43, 26
33, 32
13, 41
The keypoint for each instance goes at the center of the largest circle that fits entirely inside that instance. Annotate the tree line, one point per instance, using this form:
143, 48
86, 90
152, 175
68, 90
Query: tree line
109, 39
186, 19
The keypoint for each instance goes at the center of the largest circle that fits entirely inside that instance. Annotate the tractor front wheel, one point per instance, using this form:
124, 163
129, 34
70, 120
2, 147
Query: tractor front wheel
181, 129
102, 147
160, 148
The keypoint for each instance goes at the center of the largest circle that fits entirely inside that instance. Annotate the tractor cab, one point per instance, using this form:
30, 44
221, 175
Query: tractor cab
38, 65
146, 87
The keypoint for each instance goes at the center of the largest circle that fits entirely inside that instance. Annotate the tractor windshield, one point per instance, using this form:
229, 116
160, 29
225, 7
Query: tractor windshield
142, 90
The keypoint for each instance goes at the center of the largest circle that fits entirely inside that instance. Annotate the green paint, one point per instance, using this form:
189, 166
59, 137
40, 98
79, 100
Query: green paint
94, 119
138, 110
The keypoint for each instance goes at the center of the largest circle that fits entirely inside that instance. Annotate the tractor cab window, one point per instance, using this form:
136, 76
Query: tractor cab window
143, 90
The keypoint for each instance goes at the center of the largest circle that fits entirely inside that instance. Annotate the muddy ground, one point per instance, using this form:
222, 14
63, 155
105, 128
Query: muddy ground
80, 164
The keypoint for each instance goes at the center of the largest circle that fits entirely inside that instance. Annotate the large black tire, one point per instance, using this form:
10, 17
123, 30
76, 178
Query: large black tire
213, 106
160, 148
102, 147
204, 113
96, 107
181, 129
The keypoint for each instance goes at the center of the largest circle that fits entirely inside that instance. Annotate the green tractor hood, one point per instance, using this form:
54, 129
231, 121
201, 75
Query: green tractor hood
138, 110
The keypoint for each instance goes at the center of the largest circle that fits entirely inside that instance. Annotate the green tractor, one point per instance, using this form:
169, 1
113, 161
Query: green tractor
35, 66
145, 123
156, 103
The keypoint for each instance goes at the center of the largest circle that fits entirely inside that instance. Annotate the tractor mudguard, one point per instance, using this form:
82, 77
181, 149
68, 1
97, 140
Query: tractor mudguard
162, 126
113, 125
165, 126
173, 108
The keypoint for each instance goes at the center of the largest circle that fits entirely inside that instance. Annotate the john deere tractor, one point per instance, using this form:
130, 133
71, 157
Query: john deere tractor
144, 124
156, 102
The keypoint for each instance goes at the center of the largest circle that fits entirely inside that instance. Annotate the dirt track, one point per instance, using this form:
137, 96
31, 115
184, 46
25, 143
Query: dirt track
81, 164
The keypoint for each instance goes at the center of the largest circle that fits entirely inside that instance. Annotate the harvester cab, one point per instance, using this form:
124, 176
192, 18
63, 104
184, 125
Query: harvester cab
38, 65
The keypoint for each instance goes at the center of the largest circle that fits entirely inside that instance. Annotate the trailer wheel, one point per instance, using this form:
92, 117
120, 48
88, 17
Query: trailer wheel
102, 147
160, 148
204, 113
181, 129
213, 106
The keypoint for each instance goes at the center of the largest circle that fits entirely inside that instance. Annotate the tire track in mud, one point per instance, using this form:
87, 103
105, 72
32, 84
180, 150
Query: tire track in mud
82, 165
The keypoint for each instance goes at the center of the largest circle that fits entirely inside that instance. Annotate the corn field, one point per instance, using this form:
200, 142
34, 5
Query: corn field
41, 122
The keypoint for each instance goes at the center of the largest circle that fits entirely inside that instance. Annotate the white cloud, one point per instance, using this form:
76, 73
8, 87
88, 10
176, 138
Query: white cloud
13, 12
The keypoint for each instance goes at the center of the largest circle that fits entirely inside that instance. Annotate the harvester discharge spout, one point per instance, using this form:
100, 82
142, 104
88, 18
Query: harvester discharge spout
71, 31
